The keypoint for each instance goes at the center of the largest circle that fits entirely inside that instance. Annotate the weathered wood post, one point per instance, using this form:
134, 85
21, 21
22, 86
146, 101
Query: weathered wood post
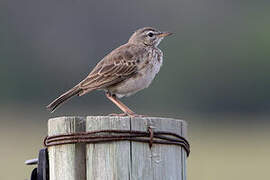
117, 160
66, 162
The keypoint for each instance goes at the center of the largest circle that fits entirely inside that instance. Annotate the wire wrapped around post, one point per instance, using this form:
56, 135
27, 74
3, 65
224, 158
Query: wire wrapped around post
101, 136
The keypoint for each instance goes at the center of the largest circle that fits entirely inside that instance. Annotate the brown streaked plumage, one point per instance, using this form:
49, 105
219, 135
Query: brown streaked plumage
126, 70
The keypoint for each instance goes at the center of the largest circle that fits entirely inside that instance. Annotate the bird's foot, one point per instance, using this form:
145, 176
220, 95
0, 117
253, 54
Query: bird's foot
137, 115
125, 114
120, 115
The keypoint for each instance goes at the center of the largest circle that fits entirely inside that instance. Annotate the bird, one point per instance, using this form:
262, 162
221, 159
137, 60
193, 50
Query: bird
124, 71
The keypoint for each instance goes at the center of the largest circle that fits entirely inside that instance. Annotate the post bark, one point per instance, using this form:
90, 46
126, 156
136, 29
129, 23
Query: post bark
119, 160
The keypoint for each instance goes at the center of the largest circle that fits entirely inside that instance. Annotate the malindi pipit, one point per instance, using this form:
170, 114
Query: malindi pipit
123, 72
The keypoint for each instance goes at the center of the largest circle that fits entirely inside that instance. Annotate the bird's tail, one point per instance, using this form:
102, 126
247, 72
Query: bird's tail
63, 98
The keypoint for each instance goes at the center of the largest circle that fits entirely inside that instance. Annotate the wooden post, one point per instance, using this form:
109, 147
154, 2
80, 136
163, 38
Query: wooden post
66, 162
119, 160
161, 162
135, 160
108, 161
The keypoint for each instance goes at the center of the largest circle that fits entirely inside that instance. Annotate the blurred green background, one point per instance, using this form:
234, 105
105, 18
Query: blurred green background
215, 75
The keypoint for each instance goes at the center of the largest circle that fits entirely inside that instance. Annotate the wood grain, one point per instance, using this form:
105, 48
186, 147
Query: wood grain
67, 162
135, 160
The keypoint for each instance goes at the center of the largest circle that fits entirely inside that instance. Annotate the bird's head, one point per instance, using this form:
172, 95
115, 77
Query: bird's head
148, 36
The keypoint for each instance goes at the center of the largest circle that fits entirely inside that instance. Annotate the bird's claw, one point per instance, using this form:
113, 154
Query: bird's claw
125, 114
120, 115
137, 115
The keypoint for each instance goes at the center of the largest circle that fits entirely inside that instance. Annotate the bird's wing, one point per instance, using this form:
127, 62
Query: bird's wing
119, 65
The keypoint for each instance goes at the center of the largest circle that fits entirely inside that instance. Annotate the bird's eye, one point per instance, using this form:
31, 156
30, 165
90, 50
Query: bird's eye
150, 34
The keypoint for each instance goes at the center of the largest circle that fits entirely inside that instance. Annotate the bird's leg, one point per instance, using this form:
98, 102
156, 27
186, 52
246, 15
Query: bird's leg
119, 104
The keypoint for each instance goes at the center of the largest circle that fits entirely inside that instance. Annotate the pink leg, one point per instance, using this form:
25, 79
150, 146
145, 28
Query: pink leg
119, 104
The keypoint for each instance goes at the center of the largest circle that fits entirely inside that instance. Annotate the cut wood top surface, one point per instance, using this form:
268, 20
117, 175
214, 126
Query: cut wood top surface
83, 119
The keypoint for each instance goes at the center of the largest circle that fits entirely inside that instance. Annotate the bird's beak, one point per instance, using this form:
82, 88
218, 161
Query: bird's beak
164, 34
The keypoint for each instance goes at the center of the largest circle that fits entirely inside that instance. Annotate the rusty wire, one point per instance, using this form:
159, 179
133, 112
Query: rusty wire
107, 135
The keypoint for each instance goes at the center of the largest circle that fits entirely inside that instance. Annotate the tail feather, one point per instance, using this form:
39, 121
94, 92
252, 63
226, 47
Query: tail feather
63, 98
